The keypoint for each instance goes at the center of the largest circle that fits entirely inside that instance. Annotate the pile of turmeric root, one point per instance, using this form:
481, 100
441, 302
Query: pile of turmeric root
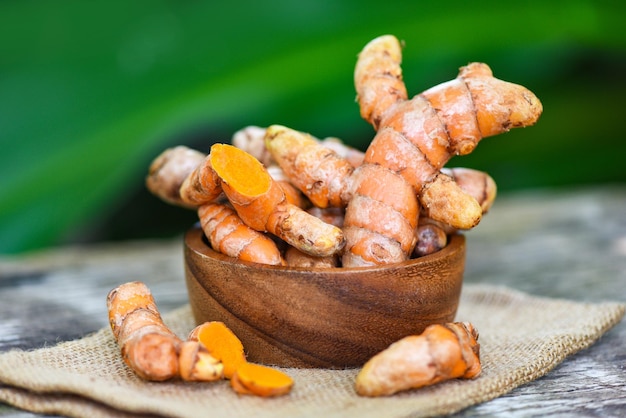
279, 196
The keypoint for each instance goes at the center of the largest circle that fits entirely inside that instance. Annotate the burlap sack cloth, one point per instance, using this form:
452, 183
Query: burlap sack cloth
522, 337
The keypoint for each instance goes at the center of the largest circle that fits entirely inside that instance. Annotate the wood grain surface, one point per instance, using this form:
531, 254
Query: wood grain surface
563, 244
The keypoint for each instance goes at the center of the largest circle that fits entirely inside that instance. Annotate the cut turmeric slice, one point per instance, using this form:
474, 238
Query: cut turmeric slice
260, 380
222, 344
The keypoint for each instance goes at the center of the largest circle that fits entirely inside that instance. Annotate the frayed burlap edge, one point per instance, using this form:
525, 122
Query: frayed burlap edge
522, 338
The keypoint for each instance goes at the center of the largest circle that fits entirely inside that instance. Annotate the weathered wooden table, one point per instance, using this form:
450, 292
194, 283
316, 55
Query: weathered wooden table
565, 244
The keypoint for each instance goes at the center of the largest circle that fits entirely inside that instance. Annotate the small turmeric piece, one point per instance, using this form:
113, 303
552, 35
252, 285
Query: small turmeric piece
196, 364
441, 352
430, 239
168, 171
202, 185
442, 199
262, 205
260, 380
183, 177
222, 344
229, 235
148, 346
476, 183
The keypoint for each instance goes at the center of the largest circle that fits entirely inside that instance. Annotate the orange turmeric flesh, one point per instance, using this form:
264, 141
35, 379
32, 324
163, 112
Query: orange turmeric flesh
240, 170
222, 344
260, 380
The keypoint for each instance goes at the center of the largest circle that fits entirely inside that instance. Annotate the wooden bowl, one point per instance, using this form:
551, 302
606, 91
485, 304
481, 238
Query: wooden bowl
329, 318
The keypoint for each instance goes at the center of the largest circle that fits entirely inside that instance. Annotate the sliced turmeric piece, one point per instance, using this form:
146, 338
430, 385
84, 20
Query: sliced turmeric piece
222, 344
260, 380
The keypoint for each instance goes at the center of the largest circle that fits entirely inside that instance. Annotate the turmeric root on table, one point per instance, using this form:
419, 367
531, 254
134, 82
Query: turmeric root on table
148, 347
441, 352
262, 205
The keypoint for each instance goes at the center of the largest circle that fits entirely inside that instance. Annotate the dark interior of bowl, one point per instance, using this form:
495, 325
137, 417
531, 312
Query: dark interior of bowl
332, 318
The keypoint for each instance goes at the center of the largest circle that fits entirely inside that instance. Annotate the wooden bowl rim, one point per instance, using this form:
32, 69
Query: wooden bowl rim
194, 241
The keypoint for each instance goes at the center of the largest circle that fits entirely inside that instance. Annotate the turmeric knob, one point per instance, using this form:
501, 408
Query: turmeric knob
441, 352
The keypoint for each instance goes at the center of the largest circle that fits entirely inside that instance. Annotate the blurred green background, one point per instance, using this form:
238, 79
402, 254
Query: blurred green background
91, 91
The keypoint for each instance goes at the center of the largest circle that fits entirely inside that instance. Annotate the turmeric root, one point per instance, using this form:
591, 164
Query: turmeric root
417, 137
440, 208
430, 239
222, 344
169, 170
319, 172
148, 347
262, 205
202, 185
478, 184
260, 380
196, 364
183, 177
441, 352
228, 235
380, 219
325, 177
442, 199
